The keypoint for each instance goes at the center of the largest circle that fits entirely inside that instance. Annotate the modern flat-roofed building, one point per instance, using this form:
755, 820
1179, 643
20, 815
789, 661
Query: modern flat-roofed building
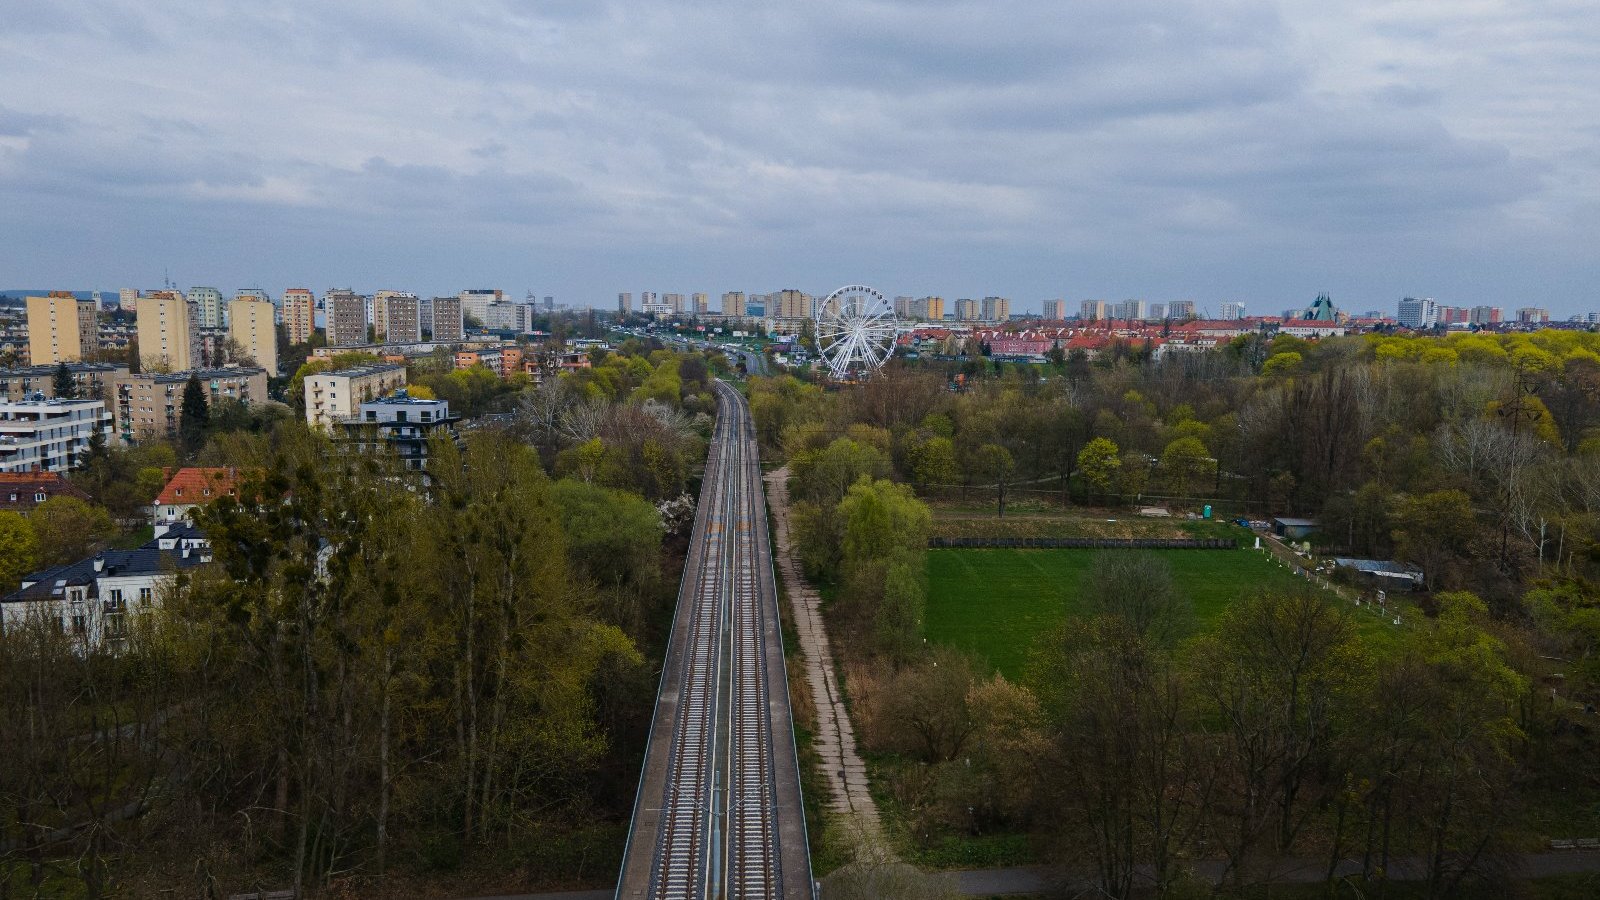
1054, 310
299, 315
401, 423
1093, 310
625, 302
966, 309
90, 380
733, 305
701, 303
150, 404
252, 324
168, 333
1232, 312
1180, 309
1417, 312
61, 328
332, 397
475, 300
40, 435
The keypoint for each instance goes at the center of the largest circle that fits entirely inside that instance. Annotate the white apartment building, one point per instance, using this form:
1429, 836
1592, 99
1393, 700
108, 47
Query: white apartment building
332, 397
1414, 312
1054, 310
474, 301
49, 435
994, 309
1232, 312
208, 307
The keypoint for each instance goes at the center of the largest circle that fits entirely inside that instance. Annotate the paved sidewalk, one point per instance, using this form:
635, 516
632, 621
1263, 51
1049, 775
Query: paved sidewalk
834, 739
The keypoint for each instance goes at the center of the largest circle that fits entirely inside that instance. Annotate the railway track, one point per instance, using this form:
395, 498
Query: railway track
721, 761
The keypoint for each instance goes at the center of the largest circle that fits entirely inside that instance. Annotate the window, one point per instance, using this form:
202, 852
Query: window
144, 596
38, 497
80, 624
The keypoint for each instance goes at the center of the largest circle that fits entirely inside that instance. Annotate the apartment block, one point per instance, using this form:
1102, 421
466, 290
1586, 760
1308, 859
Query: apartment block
446, 322
1232, 311
995, 309
702, 304
168, 333
208, 309
474, 301
1093, 310
253, 326
930, 309
332, 397
790, 304
402, 318
1180, 309
399, 424
149, 405
92, 381
966, 310
49, 435
299, 315
733, 304
1054, 310
345, 318
61, 328
624, 303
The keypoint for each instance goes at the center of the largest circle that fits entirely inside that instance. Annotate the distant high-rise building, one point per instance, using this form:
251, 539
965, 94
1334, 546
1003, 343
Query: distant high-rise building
702, 304
251, 324
1156, 311
514, 317
1487, 315
1093, 310
473, 301
1453, 315
344, 315
380, 313
928, 309
1054, 310
733, 304
995, 309
61, 328
648, 299
1126, 309
299, 315
127, 298
446, 323
1180, 309
402, 318
966, 309
1232, 311
167, 333
790, 304
624, 303
902, 306
209, 307
1419, 313
549, 303
1533, 315
675, 301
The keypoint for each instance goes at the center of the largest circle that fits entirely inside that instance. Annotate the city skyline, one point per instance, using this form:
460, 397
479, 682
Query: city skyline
1254, 152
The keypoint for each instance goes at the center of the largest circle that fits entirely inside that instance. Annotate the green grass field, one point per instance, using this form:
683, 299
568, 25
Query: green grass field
995, 603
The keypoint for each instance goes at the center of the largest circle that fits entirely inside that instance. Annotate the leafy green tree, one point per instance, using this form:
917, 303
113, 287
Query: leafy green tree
1138, 588
19, 549
933, 461
69, 529
614, 540
1099, 461
195, 415
1184, 462
825, 476
1282, 364
1435, 531
992, 462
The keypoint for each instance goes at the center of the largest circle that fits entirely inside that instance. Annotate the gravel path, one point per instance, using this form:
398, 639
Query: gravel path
834, 739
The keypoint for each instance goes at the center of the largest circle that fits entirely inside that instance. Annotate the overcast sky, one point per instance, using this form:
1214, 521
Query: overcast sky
1163, 149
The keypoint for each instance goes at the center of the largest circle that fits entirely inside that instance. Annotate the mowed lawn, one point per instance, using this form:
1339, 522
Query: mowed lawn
995, 603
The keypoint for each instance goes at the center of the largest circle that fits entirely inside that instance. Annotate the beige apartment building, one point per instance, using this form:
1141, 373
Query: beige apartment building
299, 315
402, 318
150, 404
251, 323
733, 304
995, 309
61, 328
966, 310
167, 332
332, 397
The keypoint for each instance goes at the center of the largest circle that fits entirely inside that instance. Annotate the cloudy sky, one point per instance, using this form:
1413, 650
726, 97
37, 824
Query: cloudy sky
1204, 149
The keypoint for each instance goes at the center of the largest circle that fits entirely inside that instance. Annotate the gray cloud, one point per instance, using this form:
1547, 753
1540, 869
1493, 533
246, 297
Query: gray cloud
1242, 149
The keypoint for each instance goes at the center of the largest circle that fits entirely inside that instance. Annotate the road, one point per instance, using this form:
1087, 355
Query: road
718, 813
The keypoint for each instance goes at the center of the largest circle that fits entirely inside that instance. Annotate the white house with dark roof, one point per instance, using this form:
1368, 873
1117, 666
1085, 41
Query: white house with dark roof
91, 598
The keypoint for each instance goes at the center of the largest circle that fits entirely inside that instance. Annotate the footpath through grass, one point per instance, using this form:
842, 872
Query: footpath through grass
996, 603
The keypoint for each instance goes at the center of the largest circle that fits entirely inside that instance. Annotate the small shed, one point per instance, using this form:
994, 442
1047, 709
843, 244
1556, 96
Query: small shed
1293, 529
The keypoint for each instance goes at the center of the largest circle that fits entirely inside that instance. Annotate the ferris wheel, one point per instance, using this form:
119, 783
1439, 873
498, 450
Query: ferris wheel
856, 329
